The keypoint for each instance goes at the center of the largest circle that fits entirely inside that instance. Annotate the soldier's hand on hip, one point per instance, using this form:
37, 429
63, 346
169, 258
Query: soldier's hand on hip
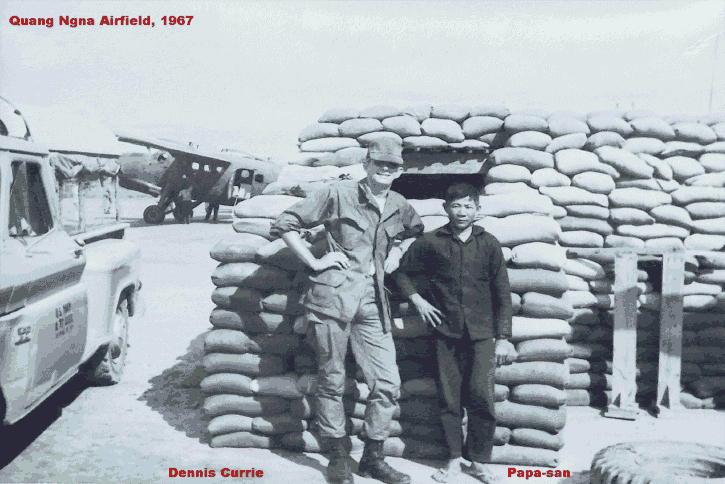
505, 352
336, 260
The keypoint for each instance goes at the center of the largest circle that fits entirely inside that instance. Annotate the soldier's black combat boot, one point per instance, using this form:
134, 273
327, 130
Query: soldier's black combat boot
339, 470
373, 466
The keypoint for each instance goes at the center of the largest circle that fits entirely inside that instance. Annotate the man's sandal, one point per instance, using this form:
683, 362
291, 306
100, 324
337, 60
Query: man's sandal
483, 475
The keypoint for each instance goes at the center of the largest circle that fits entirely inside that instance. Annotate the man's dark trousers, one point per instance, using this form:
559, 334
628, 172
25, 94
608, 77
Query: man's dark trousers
473, 362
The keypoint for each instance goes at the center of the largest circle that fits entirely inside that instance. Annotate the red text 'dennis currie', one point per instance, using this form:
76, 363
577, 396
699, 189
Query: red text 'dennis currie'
513, 472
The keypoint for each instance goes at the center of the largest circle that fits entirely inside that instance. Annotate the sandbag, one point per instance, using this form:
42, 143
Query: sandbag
250, 275
578, 398
638, 198
708, 386
452, 112
533, 372
594, 182
690, 401
338, 115
233, 341
698, 302
681, 148
589, 351
580, 299
245, 405
283, 303
711, 119
696, 132
588, 211
347, 157
711, 337
620, 241
630, 216
705, 242
433, 222
604, 138
717, 147
494, 110
332, 144
581, 238
283, 386
589, 224
357, 127
710, 226
702, 288
509, 234
586, 269
574, 196
711, 276
237, 298
578, 365
545, 349
532, 328
519, 188
247, 440
538, 280
431, 206
501, 392
530, 158
651, 146
537, 394
562, 126
610, 123
318, 130
423, 142
665, 243
227, 383
524, 456
538, 255
254, 226
624, 162
688, 195
538, 305
713, 162
576, 283
494, 140
661, 168
537, 439
477, 126
712, 260
278, 424
654, 127
248, 364
572, 162
369, 138
584, 316
548, 177
508, 173
227, 424
402, 126
529, 139
516, 123
517, 415
515, 303
684, 167
558, 212
238, 248
445, 129
568, 141
419, 112
670, 214
380, 112
648, 184
250, 322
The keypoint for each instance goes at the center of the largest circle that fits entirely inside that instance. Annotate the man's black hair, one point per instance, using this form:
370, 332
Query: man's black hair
461, 190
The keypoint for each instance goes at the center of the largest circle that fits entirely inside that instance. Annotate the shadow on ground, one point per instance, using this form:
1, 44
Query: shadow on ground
576, 478
176, 396
14, 439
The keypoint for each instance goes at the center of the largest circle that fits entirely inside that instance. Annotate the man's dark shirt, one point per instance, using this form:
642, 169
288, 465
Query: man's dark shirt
467, 281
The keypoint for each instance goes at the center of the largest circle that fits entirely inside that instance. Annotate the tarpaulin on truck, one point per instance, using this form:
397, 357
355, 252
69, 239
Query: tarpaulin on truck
77, 165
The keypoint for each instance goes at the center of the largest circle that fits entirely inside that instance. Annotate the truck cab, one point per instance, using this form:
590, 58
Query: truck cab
65, 304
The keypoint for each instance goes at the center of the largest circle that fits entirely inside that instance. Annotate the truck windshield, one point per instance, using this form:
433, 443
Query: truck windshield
30, 213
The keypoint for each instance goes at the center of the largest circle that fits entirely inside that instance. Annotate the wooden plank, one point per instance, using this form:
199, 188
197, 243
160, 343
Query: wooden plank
81, 204
615, 251
624, 385
668, 381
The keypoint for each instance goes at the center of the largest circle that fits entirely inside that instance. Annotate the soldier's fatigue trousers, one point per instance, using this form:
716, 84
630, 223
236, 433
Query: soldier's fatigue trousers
466, 378
374, 353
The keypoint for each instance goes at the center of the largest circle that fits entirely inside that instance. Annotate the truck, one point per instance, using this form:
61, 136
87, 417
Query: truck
66, 302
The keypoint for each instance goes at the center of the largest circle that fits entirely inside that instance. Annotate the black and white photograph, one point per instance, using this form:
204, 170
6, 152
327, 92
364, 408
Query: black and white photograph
359, 242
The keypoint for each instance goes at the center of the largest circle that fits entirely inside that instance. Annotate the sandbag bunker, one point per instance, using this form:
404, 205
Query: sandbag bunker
548, 183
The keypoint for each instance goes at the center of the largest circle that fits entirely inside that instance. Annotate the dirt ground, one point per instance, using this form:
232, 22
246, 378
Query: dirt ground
152, 421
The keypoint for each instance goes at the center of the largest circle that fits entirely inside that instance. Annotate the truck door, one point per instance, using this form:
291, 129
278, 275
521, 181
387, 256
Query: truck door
48, 304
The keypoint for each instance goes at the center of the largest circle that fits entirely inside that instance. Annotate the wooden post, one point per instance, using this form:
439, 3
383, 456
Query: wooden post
624, 385
117, 211
81, 205
668, 378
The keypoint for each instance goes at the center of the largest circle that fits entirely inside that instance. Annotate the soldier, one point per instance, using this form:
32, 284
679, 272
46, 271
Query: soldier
212, 207
347, 301
456, 278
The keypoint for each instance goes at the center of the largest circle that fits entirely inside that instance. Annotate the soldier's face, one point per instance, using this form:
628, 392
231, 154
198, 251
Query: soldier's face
462, 212
382, 172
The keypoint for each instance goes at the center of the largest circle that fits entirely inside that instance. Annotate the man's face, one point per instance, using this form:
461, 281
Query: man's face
462, 212
382, 172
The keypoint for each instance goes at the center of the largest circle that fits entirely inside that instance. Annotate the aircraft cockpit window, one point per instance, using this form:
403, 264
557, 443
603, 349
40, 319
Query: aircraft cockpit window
207, 169
245, 173
195, 166
258, 178
218, 169
30, 213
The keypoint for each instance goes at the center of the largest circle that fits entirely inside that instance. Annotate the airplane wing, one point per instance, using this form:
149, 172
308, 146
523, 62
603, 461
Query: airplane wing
178, 150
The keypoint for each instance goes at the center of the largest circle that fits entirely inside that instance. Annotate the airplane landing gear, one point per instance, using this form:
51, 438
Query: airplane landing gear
153, 215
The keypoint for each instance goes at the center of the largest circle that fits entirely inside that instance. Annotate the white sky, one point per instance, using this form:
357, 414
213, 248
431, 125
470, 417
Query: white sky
251, 75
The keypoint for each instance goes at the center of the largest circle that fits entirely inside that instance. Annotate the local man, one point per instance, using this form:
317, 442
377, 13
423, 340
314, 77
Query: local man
456, 278
347, 301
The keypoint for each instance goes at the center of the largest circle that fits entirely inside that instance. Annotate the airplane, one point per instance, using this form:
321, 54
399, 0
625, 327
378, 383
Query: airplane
224, 178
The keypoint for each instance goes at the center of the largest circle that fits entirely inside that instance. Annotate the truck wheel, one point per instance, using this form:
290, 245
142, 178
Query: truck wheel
109, 363
153, 215
659, 462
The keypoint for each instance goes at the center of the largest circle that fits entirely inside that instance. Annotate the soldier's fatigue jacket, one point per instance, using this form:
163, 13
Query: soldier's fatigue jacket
357, 229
